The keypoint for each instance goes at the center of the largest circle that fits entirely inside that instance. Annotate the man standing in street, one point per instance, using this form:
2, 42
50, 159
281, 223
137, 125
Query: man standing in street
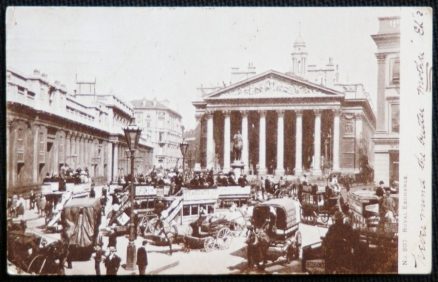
98, 258
142, 258
32, 200
112, 262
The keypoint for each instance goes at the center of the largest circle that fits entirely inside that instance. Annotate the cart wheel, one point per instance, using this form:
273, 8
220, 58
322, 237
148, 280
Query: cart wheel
223, 233
209, 244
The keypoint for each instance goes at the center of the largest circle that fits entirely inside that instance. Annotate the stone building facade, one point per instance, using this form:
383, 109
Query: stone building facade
300, 121
162, 128
48, 127
386, 138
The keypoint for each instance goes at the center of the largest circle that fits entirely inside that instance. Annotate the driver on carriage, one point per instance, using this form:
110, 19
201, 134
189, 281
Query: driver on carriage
196, 225
271, 220
334, 184
304, 180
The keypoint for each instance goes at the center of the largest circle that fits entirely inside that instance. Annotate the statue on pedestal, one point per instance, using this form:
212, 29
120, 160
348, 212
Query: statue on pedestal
237, 146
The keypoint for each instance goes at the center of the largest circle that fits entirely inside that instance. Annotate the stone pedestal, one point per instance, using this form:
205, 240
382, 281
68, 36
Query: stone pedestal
237, 167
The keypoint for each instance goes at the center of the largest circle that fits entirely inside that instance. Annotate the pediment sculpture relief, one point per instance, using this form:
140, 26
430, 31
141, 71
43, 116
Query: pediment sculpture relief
269, 87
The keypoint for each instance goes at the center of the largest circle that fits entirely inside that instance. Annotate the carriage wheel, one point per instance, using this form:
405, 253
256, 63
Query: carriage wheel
223, 232
209, 244
34, 260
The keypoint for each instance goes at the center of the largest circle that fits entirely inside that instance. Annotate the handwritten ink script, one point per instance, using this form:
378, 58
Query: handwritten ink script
423, 70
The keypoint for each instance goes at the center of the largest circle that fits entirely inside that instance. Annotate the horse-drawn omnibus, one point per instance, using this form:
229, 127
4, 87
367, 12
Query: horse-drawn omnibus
275, 224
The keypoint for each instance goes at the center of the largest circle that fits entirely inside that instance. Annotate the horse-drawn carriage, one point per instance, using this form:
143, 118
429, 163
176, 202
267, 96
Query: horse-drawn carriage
275, 233
33, 254
371, 246
317, 204
214, 233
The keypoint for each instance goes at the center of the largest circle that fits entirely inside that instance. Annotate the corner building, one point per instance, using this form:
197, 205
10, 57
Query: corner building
386, 138
48, 128
161, 126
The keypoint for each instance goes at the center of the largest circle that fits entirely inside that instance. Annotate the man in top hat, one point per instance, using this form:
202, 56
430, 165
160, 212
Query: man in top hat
142, 258
112, 262
98, 255
380, 190
339, 241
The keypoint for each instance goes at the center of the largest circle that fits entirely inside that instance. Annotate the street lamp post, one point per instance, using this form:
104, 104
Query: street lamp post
183, 147
132, 135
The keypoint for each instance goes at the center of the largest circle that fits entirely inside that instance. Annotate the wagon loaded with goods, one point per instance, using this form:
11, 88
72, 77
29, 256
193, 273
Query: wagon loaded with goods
80, 226
276, 234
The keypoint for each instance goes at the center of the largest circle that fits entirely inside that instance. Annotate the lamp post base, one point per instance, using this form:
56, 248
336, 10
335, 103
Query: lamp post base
130, 256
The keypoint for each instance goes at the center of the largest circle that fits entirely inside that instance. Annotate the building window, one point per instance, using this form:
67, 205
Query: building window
395, 118
349, 128
186, 210
395, 79
194, 210
20, 145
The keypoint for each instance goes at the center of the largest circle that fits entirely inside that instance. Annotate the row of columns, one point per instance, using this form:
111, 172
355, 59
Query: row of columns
280, 141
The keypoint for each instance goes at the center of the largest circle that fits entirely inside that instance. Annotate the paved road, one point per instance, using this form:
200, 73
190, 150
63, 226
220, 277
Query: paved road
230, 261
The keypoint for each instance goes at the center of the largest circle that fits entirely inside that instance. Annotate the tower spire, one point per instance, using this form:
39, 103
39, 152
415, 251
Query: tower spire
299, 55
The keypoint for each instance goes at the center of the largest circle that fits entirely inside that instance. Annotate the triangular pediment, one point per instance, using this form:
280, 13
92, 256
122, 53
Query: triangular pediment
272, 84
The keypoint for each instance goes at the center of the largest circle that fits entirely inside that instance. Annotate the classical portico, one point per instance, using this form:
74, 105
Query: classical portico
281, 109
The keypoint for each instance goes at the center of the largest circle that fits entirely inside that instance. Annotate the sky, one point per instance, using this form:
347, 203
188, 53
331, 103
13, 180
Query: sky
167, 53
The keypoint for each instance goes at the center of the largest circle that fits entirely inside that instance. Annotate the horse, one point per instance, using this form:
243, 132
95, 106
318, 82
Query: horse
49, 259
258, 244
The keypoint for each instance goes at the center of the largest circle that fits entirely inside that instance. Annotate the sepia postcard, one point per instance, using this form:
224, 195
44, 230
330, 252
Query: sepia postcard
218, 140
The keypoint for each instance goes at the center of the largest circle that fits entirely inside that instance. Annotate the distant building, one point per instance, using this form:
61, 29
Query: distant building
162, 128
47, 127
386, 138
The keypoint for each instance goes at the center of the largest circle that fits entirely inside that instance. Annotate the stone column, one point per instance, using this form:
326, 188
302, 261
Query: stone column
381, 99
67, 148
358, 139
299, 142
86, 153
227, 138
262, 143
336, 136
210, 154
109, 157
36, 152
78, 152
115, 161
55, 160
81, 151
280, 143
317, 144
245, 148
